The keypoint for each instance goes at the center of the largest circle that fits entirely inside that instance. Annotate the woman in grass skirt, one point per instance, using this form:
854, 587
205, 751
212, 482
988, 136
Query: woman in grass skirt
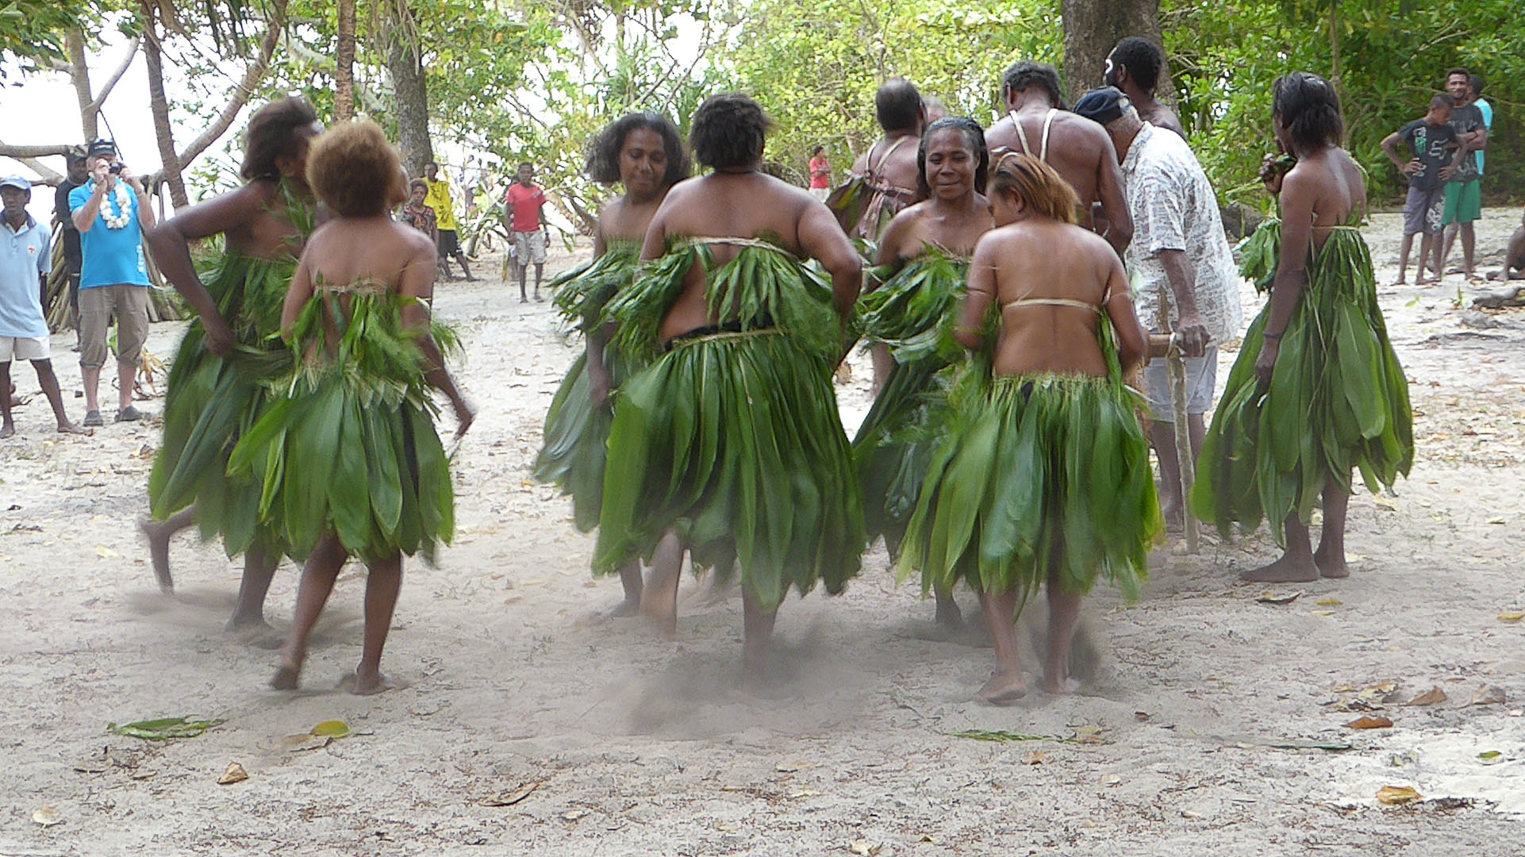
1044, 475
925, 256
643, 152
347, 457
1317, 391
729, 444
217, 382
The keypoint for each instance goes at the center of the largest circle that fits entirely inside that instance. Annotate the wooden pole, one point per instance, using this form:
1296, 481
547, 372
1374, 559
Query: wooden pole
1175, 372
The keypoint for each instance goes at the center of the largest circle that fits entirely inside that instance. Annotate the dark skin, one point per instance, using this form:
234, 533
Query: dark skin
348, 250
953, 219
1323, 191
1078, 149
1514, 255
1029, 255
14, 201
643, 166
738, 202
1149, 110
527, 179
432, 172
1459, 87
1437, 115
253, 222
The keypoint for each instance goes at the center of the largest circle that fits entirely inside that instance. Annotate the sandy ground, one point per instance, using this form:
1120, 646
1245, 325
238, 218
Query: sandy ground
1185, 739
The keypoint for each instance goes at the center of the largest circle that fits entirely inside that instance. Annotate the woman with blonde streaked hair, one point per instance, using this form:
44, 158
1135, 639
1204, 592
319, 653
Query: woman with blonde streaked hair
1044, 474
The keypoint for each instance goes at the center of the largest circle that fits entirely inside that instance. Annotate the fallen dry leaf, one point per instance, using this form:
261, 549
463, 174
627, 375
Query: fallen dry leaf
105, 552
513, 796
1269, 597
1433, 696
863, 848
234, 774
1511, 617
1036, 757
1488, 695
1329, 602
1397, 795
1320, 612
1369, 722
47, 816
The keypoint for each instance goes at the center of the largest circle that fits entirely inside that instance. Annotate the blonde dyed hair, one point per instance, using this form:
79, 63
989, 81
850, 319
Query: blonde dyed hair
1037, 184
354, 169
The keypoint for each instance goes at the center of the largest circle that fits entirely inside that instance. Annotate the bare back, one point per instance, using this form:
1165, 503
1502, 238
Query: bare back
892, 161
1077, 148
1053, 282
746, 205
372, 251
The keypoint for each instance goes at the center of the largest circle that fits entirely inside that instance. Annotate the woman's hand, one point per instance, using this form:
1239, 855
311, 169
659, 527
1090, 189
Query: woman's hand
1265, 364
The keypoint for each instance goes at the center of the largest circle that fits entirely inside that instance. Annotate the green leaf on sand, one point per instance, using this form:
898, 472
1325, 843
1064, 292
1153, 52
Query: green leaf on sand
331, 729
164, 729
985, 735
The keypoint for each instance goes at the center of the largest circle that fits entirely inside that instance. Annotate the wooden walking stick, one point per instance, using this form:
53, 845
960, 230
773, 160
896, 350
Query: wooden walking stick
1175, 371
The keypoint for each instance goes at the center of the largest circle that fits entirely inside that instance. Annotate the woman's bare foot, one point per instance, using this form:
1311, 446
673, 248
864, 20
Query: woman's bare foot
369, 684
1003, 688
1331, 566
253, 625
286, 677
623, 610
949, 617
7, 430
1060, 686
158, 550
67, 427
1284, 570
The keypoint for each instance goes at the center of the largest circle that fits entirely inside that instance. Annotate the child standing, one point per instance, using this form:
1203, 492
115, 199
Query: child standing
1431, 141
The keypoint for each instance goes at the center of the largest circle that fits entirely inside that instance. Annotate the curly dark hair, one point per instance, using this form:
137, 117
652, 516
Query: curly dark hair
728, 130
271, 134
974, 136
603, 158
354, 169
1309, 108
1143, 60
897, 105
416, 184
1025, 74
1477, 85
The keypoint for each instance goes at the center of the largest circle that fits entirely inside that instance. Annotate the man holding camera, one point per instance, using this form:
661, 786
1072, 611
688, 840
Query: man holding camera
111, 213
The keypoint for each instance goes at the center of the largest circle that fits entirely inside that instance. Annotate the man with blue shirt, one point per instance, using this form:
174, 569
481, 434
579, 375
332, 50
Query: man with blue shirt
111, 213
26, 259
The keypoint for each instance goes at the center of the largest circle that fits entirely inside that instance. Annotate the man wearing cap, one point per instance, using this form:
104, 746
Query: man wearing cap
111, 213
75, 177
1178, 248
26, 259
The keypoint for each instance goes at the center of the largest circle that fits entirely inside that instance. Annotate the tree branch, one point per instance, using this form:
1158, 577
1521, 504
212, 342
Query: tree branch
22, 152
100, 97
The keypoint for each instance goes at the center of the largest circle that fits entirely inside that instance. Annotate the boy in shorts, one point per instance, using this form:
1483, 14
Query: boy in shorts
1431, 142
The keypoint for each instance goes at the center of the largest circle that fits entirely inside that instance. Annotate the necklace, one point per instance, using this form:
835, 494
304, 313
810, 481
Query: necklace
124, 209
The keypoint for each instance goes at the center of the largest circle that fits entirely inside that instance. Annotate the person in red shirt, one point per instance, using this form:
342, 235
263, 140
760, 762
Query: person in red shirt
521, 214
820, 174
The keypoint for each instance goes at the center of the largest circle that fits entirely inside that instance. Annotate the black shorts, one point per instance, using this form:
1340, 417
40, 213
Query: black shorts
449, 245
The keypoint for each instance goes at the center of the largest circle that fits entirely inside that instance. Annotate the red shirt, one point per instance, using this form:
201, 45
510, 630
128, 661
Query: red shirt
820, 172
526, 203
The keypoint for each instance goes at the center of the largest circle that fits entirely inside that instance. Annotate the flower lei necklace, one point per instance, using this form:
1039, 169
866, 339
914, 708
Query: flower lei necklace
124, 208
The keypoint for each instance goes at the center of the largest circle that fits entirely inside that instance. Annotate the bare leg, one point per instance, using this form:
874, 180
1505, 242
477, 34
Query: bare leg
1296, 564
948, 614
1468, 244
318, 577
90, 379
1162, 436
539, 274
7, 426
1005, 684
1063, 614
659, 597
49, 382
382, 585
461, 257
630, 578
1330, 556
249, 609
126, 374
1403, 257
757, 633
524, 295
1430, 249
1445, 240
883, 363
158, 544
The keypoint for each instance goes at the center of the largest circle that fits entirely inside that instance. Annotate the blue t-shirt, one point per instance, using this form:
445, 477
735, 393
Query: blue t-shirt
24, 256
1487, 110
113, 257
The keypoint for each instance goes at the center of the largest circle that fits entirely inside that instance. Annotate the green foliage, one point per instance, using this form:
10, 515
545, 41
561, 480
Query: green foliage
32, 32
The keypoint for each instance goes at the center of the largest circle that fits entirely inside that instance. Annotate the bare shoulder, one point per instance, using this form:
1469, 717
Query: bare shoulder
414, 240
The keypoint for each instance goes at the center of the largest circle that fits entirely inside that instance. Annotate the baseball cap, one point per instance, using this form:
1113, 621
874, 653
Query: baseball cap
16, 182
101, 146
1102, 105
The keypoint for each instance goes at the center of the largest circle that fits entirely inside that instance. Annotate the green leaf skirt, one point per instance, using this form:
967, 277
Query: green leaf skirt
733, 440
576, 439
1038, 474
1338, 400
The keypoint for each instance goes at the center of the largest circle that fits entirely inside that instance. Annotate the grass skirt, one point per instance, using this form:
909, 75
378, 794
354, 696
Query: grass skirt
209, 401
1338, 399
734, 440
1037, 472
349, 444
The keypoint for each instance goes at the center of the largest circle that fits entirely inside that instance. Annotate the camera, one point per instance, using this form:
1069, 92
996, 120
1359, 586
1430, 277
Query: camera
116, 169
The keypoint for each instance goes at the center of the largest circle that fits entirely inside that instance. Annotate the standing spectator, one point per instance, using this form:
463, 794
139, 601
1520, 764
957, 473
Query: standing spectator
521, 213
111, 213
820, 174
418, 213
446, 240
1179, 248
1431, 146
26, 259
76, 176
1464, 195
1134, 67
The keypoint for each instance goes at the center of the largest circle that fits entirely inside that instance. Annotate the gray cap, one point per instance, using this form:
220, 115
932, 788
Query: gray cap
16, 182
1102, 106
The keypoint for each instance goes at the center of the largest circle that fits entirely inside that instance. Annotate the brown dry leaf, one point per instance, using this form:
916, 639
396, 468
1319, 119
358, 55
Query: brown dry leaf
1511, 617
1397, 795
513, 796
234, 774
47, 816
1433, 696
1269, 597
863, 848
1036, 757
1329, 602
1488, 695
1320, 612
1369, 722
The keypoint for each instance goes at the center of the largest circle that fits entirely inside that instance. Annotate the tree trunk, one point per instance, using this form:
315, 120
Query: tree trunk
1093, 27
409, 85
158, 105
79, 72
344, 72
